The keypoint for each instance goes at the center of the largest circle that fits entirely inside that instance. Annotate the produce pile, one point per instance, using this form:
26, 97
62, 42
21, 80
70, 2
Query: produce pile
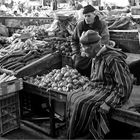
63, 45
40, 32
65, 79
6, 77
19, 53
59, 27
123, 23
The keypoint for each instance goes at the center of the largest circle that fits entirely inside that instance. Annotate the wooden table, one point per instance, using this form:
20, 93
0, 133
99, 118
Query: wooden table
118, 114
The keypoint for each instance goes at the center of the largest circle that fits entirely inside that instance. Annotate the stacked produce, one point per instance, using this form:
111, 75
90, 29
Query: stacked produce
65, 79
4, 41
19, 53
123, 23
38, 31
63, 45
6, 77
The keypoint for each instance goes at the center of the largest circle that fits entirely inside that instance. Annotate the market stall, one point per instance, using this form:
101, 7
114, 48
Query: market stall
34, 55
35, 88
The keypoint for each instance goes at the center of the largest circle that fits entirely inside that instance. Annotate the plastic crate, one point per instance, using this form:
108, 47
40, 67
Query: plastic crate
9, 113
11, 86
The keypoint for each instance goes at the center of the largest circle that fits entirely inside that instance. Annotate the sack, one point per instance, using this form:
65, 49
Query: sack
4, 30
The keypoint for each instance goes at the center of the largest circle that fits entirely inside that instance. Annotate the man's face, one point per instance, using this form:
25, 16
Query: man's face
89, 17
89, 50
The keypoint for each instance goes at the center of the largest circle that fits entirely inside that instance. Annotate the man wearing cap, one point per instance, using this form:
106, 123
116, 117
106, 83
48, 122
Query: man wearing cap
91, 22
110, 87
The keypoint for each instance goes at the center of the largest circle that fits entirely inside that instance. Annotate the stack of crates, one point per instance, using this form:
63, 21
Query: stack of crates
10, 105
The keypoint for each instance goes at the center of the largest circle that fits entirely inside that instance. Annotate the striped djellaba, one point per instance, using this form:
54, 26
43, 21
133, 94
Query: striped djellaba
111, 83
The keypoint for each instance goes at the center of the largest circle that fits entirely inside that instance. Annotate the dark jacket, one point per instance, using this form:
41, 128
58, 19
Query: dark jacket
99, 26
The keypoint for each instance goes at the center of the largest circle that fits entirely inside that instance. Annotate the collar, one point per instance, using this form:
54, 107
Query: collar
104, 48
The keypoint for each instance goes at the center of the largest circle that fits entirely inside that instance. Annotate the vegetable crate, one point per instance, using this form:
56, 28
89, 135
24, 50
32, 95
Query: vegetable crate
9, 112
33, 97
30, 93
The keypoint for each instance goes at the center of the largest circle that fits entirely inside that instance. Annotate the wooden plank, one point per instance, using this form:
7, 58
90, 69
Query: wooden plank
126, 116
131, 57
25, 21
38, 66
124, 31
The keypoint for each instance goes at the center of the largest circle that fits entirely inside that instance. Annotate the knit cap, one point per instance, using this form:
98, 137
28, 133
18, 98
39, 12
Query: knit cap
88, 9
90, 37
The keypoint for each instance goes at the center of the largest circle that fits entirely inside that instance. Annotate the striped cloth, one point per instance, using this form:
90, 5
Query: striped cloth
111, 83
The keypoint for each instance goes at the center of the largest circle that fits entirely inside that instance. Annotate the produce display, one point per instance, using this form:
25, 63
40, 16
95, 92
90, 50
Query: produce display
6, 77
123, 23
40, 32
20, 53
65, 79
63, 45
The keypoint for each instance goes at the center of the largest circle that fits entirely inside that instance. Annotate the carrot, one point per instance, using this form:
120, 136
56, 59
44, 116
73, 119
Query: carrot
13, 66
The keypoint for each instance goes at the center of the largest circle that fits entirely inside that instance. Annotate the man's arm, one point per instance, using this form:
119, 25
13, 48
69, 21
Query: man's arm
75, 39
123, 80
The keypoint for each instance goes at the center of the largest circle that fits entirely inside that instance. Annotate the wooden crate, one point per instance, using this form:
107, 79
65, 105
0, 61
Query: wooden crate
127, 40
25, 21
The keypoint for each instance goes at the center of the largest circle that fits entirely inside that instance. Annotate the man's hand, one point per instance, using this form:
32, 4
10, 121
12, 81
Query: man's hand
104, 108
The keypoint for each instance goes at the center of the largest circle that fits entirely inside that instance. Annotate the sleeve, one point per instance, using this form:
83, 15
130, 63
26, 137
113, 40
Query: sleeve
105, 33
123, 86
75, 39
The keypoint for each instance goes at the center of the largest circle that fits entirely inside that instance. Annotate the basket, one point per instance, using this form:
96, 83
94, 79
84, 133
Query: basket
9, 113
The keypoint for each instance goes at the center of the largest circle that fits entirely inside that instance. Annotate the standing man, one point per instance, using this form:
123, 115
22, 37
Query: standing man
91, 21
110, 87
54, 5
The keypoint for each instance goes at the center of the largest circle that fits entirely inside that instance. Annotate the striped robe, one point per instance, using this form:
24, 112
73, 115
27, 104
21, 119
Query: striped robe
111, 83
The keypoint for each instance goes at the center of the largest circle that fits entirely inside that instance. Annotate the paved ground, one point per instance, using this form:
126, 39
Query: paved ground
24, 133
119, 131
